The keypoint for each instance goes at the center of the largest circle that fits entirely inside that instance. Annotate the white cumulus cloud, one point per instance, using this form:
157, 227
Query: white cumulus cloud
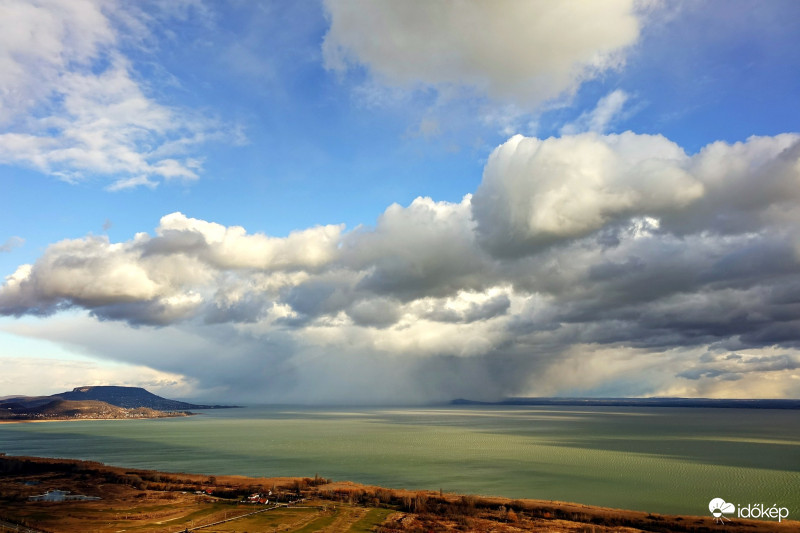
72, 105
601, 117
537, 192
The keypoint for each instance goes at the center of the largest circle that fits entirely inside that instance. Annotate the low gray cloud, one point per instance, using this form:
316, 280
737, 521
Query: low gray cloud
735, 367
11, 243
610, 253
378, 312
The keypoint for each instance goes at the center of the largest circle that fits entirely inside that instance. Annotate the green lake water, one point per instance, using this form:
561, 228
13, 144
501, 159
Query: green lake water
669, 460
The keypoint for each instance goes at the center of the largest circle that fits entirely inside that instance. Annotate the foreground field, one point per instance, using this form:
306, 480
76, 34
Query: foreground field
148, 501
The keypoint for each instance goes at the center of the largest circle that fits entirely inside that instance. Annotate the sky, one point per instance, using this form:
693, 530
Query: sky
351, 202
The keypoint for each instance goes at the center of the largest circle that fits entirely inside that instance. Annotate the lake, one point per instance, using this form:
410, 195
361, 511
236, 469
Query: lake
668, 460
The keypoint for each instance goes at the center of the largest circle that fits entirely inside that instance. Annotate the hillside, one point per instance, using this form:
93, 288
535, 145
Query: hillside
71, 410
126, 397
24, 401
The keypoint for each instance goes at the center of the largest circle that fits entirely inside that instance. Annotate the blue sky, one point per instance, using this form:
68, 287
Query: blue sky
476, 199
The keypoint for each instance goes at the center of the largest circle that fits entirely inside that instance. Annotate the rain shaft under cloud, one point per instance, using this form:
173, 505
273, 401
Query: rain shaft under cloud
581, 264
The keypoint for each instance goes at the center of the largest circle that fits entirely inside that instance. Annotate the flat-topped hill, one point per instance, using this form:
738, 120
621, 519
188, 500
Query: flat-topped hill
125, 397
128, 397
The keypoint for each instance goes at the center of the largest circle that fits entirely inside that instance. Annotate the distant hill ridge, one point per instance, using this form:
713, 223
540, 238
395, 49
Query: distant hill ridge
125, 397
644, 402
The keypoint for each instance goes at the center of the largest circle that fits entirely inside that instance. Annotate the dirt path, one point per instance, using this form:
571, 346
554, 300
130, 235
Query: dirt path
231, 519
